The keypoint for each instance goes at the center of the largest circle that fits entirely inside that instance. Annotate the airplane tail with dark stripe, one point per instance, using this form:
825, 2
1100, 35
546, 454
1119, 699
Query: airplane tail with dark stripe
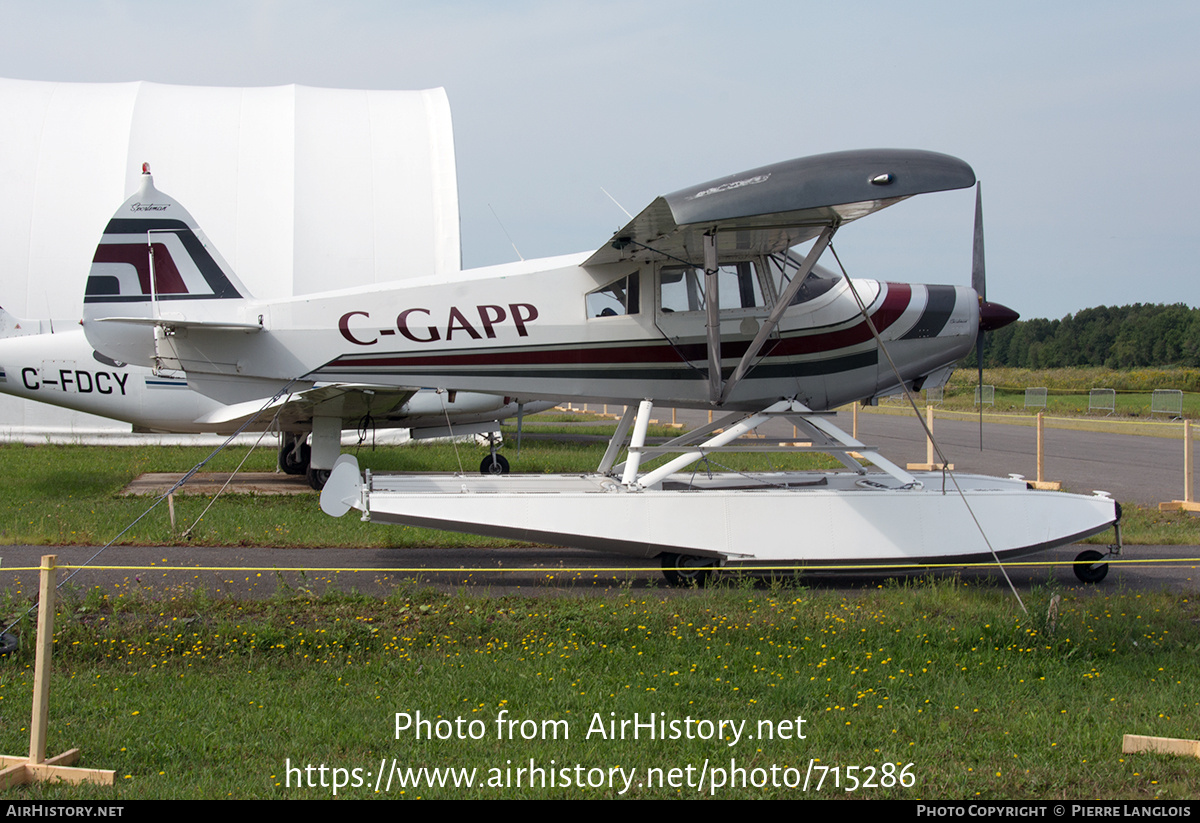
154, 266
153, 250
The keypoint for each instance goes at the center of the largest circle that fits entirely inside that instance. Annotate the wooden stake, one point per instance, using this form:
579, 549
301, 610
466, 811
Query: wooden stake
1188, 503
1041, 482
929, 465
1041, 454
929, 439
1187, 462
19, 770
41, 663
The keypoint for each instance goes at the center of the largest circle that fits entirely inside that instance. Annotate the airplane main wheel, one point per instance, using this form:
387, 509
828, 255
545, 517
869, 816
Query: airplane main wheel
494, 464
684, 570
292, 462
1087, 569
317, 478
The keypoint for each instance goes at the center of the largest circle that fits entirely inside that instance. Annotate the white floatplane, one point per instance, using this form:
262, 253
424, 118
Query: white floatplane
699, 302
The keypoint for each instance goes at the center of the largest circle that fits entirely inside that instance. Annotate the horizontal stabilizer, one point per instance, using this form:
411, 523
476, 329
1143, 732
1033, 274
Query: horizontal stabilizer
351, 402
166, 322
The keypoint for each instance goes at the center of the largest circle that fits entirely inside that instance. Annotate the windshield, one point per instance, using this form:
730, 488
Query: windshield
783, 267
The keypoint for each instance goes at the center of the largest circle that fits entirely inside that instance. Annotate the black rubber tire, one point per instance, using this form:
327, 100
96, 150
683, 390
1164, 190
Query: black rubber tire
497, 466
685, 570
9, 643
1086, 569
288, 462
317, 478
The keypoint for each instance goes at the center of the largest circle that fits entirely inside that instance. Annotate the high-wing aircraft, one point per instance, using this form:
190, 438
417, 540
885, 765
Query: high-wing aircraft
700, 301
62, 369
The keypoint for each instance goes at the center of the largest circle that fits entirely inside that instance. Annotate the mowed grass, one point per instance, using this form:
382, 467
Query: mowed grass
920, 690
913, 690
70, 495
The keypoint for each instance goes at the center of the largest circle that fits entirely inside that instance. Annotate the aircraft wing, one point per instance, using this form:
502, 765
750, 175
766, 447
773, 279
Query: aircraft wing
351, 402
776, 207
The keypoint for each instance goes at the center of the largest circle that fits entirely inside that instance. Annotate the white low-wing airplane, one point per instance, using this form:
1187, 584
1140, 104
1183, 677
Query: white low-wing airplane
62, 369
697, 302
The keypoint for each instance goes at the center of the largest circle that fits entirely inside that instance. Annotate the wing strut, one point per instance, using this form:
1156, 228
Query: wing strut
781, 306
712, 303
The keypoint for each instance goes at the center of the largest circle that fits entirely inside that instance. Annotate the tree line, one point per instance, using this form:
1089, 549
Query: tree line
1118, 337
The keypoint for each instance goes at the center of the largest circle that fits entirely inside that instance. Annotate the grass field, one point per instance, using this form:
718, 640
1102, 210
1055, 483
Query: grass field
924, 690
932, 689
1068, 390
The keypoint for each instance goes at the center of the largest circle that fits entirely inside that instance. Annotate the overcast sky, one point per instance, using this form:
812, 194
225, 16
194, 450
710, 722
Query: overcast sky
1080, 118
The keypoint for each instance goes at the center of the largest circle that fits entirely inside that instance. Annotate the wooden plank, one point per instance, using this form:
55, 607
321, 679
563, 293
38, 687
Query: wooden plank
1179, 506
1134, 743
13, 776
72, 774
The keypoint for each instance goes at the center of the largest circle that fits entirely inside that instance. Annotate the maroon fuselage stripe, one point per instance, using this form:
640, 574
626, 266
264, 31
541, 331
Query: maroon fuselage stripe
899, 295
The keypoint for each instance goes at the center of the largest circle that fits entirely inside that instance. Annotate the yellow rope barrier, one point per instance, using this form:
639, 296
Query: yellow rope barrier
654, 568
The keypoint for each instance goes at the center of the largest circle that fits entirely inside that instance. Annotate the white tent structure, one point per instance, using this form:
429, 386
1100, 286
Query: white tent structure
301, 189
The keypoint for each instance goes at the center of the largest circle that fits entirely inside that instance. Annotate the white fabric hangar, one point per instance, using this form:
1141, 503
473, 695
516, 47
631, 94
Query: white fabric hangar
301, 189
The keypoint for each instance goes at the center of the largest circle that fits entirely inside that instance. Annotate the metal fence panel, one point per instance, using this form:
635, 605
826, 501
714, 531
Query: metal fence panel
1102, 400
1167, 401
1035, 398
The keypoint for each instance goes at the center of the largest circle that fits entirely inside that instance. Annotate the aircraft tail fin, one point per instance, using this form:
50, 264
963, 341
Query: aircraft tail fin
154, 251
13, 326
153, 266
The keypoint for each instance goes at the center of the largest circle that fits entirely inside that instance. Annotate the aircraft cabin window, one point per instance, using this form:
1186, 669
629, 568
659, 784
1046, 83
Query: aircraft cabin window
615, 299
681, 288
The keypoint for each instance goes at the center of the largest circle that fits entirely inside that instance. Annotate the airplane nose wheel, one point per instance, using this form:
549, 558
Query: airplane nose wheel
683, 570
1087, 569
494, 464
9, 643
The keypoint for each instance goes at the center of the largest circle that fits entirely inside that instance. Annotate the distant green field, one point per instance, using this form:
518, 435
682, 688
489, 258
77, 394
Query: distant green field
1068, 389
